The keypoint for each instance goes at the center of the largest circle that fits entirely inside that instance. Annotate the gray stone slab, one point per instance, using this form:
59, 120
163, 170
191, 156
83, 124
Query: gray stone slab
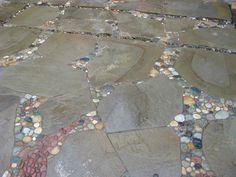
153, 103
148, 152
89, 3
8, 105
139, 27
212, 37
36, 16
179, 25
219, 146
86, 154
52, 76
213, 72
15, 39
85, 20
7, 10
122, 60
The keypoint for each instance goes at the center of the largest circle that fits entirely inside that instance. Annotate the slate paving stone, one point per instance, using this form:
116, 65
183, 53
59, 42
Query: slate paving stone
148, 152
85, 20
153, 103
192, 8
15, 39
89, 3
53, 76
86, 154
219, 146
179, 25
8, 105
36, 16
122, 60
139, 27
212, 37
213, 72
7, 10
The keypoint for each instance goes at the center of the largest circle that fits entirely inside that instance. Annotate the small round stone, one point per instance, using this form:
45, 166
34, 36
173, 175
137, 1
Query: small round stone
189, 169
184, 171
91, 126
26, 130
196, 116
55, 150
38, 130
208, 105
174, 123
27, 139
14, 165
36, 125
153, 72
36, 118
189, 100
91, 114
99, 126
180, 118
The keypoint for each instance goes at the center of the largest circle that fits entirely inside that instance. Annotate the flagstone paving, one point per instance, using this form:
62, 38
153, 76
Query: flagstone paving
133, 88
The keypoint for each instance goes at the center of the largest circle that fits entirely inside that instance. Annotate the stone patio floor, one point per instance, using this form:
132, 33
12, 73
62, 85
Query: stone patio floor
117, 88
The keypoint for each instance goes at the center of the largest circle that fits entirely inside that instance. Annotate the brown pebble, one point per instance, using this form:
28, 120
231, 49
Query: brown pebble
99, 126
189, 100
27, 139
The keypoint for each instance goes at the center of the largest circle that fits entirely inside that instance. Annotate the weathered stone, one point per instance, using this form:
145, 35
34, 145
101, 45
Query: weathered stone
139, 27
153, 103
212, 37
36, 16
89, 3
85, 154
210, 71
85, 20
15, 39
148, 152
7, 10
219, 146
8, 105
178, 25
122, 60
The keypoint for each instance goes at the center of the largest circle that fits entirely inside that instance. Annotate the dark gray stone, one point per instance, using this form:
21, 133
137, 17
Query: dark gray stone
219, 146
86, 154
148, 152
153, 103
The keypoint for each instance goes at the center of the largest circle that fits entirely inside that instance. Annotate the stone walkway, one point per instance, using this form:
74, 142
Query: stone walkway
131, 88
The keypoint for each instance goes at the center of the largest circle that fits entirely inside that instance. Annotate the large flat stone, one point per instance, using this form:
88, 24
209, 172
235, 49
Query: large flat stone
179, 25
122, 60
148, 152
212, 37
213, 72
219, 146
15, 39
52, 76
8, 105
89, 3
153, 103
139, 27
36, 16
86, 154
85, 20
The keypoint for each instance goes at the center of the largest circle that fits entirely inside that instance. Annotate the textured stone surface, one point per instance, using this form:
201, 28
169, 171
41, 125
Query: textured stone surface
148, 152
210, 71
219, 146
86, 154
220, 38
15, 39
178, 25
139, 27
89, 3
7, 10
8, 105
85, 20
153, 103
35, 16
122, 60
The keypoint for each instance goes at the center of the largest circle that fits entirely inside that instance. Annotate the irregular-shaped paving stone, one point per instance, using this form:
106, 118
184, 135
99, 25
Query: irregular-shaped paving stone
52, 75
8, 104
15, 39
148, 152
212, 37
7, 10
85, 20
191, 8
122, 60
153, 103
89, 3
178, 25
219, 146
36, 16
81, 157
139, 27
213, 72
